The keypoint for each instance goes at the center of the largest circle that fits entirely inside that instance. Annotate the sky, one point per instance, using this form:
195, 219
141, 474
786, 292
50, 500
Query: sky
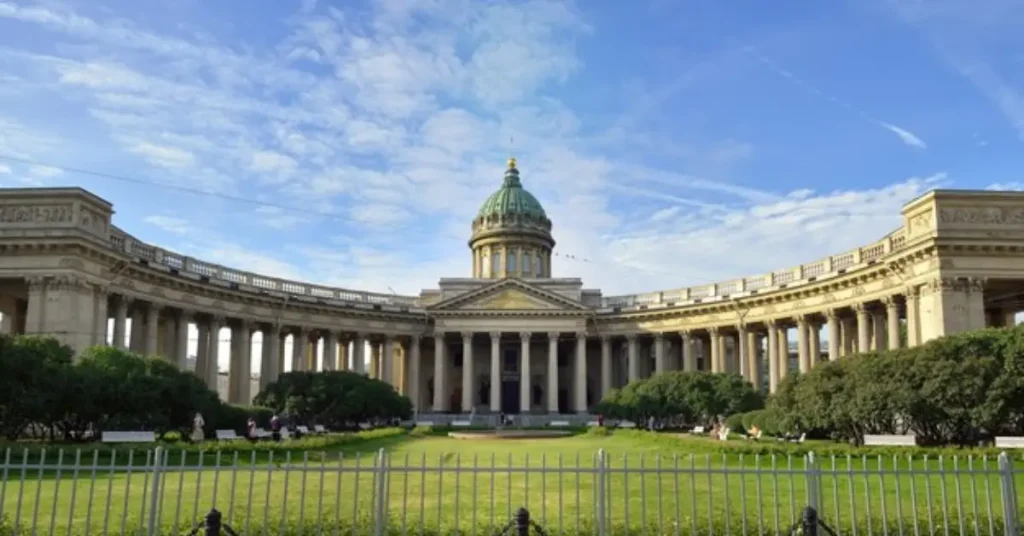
672, 143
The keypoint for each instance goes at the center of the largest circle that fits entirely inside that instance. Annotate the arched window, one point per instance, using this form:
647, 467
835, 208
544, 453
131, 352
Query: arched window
495, 263
527, 264
510, 259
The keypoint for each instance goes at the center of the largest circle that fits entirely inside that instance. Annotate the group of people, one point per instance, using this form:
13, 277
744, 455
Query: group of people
251, 430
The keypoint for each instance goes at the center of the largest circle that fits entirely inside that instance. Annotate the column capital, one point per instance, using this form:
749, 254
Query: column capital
912, 293
495, 336
860, 308
525, 336
891, 301
802, 320
219, 320
467, 337
976, 284
439, 335
581, 335
631, 338
415, 338
271, 328
684, 334
389, 338
554, 335
605, 338
741, 329
714, 330
659, 336
831, 314
772, 323
186, 313
360, 335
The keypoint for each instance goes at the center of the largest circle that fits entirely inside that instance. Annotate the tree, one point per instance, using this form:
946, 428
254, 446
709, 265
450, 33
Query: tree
32, 381
686, 397
335, 399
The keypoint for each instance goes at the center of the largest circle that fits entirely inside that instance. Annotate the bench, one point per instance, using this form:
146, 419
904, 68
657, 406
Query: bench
559, 423
226, 435
697, 430
365, 426
627, 424
260, 433
1009, 442
302, 429
591, 424
285, 434
128, 437
319, 429
461, 424
890, 441
424, 423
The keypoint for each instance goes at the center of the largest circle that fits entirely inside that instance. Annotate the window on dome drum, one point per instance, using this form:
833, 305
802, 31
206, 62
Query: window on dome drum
527, 264
495, 263
511, 260
540, 268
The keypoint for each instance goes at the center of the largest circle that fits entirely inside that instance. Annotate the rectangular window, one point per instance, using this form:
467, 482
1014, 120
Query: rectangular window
495, 263
510, 361
527, 263
540, 269
511, 262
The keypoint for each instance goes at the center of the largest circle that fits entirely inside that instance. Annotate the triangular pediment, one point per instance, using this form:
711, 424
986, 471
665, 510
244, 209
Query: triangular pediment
509, 295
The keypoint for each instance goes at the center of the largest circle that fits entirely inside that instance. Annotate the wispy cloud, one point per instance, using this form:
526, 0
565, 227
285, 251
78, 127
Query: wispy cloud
906, 136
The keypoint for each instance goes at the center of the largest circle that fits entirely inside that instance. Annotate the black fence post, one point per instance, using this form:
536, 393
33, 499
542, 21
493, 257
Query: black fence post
523, 522
213, 523
810, 522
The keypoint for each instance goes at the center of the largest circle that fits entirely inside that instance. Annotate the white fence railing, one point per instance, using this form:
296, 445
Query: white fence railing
170, 492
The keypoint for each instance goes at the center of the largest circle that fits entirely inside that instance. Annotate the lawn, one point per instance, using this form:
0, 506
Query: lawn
652, 484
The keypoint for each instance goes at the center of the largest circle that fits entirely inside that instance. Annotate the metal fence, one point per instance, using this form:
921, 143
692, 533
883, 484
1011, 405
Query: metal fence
170, 492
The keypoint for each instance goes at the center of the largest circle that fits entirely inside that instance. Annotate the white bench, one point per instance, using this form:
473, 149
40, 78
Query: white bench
890, 441
697, 430
461, 424
302, 429
285, 434
262, 434
319, 429
1009, 442
364, 426
424, 423
226, 435
561, 424
627, 424
591, 424
128, 437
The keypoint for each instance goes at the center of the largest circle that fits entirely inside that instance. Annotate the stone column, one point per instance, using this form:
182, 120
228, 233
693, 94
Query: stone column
606, 365
121, 322
878, 331
343, 353
803, 348
239, 377
632, 357
525, 375
580, 369
467, 371
270, 356
299, 344
659, 353
689, 360
495, 371
552, 389
832, 319
863, 328
330, 350
743, 352
202, 350
137, 337
892, 317
716, 350
754, 359
415, 381
213, 354
152, 329
181, 339
386, 361
440, 360
375, 369
773, 356
815, 342
359, 354
783, 351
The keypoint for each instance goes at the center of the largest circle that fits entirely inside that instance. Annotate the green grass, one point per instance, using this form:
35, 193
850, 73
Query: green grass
478, 484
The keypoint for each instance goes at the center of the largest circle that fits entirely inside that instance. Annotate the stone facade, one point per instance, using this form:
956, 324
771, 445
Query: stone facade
504, 343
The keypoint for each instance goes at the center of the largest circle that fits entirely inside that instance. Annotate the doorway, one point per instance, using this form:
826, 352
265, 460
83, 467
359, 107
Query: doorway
510, 396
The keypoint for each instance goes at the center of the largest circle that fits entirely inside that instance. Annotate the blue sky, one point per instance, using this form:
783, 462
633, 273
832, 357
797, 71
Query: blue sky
672, 142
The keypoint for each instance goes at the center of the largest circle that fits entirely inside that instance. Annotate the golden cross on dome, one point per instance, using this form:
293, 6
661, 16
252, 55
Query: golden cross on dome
511, 159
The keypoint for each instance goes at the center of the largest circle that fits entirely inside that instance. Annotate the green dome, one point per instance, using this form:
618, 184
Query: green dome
511, 198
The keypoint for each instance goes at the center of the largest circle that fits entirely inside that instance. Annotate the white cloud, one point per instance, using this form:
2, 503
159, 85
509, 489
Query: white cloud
44, 172
163, 155
169, 224
272, 163
906, 136
5, 169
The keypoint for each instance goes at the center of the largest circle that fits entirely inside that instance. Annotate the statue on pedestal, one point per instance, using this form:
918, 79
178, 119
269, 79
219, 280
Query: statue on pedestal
197, 428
